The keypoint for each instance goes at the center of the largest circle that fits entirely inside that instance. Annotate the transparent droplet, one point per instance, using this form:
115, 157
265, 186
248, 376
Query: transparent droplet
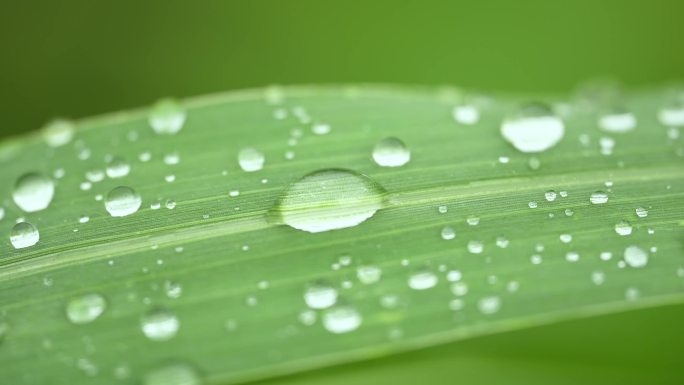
167, 117
320, 296
170, 204
606, 255
171, 159
535, 128
307, 317
489, 305
569, 212
454, 275
617, 122
473, 220
532, 204
95, 175
117, 168
23, 235
442, 209
159, 325
122, 201
607, 145
502, 242
636, 256
475, 247
641, 212
534, 163
2, 213
566, 238
33, 192
550, 195
623, 228
422, 280
250, 159
448, 233
632, 294
572, 256
368, 274
328, 200
58, 132
86, 308
321, 128
173, 289
83, 219
391, 152
176, 374
341, 319
598, 198
598, 277
466, 114
672, 112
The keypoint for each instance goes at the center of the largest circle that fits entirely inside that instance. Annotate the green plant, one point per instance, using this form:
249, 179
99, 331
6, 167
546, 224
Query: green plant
205, 281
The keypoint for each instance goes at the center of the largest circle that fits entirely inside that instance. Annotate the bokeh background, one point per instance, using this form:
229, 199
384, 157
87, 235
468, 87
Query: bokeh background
79, 58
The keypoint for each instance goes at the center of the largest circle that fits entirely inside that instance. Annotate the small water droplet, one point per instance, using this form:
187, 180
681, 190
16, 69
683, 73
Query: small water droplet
167, 117
58, 132
641, 212
448, 233
321, 128
442, 209
535, 128
454, 275
320, 295
536, 259
173, 289
83, 219
632, 294
176, 374
550, 195
534, 163
86, 308
617, 121
636, 256
532, 204
623, 228
473, 220
606, 255
368, 274
122, 201
502, 242
341, 319
159, 325
170, 204
250, 159
566, 238
391, 152
572, 256
569, 212
607, 145
23, 235
145, 156
117, 168
598, 198
489, 305
598, 277
171, 159
475, 247
466, 114
328, 200
95, 175
672, 112
422, 280
33, 192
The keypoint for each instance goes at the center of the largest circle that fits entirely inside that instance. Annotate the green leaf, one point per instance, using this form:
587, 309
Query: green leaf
217, 261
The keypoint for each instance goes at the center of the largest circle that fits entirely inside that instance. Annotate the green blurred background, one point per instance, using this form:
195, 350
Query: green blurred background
79, 58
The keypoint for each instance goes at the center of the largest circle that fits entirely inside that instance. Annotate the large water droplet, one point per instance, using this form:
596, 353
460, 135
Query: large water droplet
636, 256
341, 319
160, 325
535, 128
24, 234
320, 296
250, 159
167, 117
86, 308
33, 192
391, 152
328, 200
58, 132
122, 201
176, 374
